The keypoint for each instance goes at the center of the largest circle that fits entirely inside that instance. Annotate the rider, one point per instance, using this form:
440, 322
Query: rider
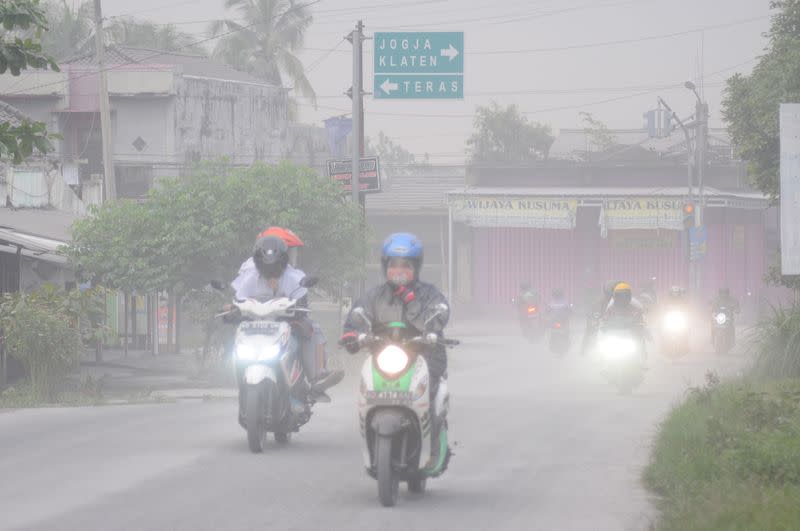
403, 298
595, 313
558, 308
268, 275
724, 299
527, 296
623, 306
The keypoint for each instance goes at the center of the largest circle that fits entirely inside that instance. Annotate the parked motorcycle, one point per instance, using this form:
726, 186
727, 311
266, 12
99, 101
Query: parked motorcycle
621, 351
723, 332
396, 415
273, 388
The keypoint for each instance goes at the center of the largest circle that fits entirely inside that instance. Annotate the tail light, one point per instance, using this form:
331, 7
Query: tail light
532, 309
557, 325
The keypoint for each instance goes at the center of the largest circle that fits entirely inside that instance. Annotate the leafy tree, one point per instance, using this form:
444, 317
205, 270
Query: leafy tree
71, 29
751, 107
202, 226
18, 139
599, 135
751, 103
505, 135
391, 153
267, 42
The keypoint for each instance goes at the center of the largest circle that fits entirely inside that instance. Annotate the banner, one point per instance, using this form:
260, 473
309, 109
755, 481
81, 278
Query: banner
790, 188
642, 213
505, 211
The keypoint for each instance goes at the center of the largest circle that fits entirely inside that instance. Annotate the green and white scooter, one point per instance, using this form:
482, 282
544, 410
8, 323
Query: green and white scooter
405, 436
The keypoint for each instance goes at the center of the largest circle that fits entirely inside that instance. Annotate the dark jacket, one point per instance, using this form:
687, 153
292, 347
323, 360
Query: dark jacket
382, 307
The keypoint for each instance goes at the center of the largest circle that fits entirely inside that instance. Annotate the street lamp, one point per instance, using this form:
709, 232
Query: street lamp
691, 86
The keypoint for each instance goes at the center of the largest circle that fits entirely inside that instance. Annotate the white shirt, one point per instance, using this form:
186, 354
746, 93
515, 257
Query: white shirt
249, 284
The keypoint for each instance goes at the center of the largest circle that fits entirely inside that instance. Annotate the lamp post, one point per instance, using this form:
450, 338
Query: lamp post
701, 116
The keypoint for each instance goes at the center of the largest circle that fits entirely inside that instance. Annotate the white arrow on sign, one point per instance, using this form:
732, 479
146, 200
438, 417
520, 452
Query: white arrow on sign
388, 87
449, 52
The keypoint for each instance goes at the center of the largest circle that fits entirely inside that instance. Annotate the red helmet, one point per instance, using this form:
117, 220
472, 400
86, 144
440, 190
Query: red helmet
291, 239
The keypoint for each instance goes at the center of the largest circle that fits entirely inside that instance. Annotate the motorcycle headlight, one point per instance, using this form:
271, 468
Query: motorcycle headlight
721, 318
617, 346
245, 352
269, 352
392, 360
676, 321
251, 353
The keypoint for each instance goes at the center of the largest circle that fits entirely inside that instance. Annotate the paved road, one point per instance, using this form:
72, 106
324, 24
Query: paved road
542, 443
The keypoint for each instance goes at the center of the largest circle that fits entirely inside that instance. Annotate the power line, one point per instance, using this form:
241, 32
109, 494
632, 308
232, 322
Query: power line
167, 52
564, 91
673, 86
612, 42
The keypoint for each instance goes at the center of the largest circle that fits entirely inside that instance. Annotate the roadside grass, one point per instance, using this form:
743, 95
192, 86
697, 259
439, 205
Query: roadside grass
90, 392
728, 457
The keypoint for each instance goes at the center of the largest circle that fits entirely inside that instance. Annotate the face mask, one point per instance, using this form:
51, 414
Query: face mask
400, 279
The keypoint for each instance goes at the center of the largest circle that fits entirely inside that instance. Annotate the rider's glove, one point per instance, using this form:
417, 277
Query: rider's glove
404, 294
350, 342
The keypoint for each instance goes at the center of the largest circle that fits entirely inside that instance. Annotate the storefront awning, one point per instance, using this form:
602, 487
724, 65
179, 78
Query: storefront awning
32, 246
556, 208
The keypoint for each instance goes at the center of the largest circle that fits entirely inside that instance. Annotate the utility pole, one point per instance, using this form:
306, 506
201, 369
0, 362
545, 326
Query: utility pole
356, 37
109, 180
691, 154
700, 153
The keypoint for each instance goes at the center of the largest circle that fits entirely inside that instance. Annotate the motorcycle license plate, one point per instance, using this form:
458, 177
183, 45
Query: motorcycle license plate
389, 398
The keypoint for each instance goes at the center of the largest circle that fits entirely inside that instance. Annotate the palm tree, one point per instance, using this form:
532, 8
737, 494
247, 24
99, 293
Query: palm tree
144, 34
70, 29
71, 32
266, 42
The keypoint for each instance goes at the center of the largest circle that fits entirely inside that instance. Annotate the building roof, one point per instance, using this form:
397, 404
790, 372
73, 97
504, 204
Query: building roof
191, 64
37, 222
414, 193
9, 113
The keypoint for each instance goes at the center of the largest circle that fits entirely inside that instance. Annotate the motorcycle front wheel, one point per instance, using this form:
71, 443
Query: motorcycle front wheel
388, 483
255, 420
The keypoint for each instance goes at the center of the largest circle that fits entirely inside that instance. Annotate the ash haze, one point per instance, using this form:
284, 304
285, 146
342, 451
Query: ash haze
558, 83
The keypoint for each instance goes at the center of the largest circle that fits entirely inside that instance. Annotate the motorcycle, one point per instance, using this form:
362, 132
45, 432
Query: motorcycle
723, 333
530, 319
675, 331
395, 410
559, 340
273, 388
621, 350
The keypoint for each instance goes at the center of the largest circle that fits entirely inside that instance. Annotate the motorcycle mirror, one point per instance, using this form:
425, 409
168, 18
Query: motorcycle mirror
361, 314
439, 309
309, 282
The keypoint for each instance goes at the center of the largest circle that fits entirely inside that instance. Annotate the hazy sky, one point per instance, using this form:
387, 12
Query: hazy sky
552, 86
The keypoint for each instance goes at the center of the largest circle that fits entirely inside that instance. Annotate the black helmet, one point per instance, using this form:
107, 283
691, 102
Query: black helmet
271, 255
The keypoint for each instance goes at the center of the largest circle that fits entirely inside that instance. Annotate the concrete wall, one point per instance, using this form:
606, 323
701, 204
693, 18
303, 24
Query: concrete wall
146, 118
245, 122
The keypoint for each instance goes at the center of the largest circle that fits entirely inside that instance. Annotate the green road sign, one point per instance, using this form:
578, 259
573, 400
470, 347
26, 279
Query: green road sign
419, 65
419, 87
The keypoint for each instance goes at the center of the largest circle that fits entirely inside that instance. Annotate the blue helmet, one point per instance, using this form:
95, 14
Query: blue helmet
403, 245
